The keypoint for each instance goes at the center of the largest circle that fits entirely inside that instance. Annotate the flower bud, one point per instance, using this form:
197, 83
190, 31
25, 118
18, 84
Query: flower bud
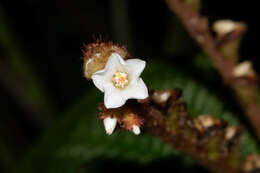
124, 116
204, 122
95, 56
136, 130
223, 27
243, 69
161, 97
110, 124
229, 36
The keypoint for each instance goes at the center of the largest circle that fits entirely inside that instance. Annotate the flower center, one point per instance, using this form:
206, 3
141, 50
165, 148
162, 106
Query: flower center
120, 79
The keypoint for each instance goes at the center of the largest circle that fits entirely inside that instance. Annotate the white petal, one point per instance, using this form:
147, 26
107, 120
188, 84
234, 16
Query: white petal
110, 125
99, 80
136, 130
102, 77
113, 98
113, 62
135, 67
136, 90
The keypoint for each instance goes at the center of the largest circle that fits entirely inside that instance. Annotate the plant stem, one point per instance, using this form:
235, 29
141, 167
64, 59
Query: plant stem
197, 27
208, 140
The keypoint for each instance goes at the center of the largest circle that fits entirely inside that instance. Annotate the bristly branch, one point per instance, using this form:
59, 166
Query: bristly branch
243, 85
209, 141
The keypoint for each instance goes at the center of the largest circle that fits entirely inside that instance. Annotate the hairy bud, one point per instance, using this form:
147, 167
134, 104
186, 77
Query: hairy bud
95, 56
132, 122
124, 116
229, 36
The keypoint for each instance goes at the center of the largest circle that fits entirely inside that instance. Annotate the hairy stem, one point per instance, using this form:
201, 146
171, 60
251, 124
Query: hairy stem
197, 27
209, 141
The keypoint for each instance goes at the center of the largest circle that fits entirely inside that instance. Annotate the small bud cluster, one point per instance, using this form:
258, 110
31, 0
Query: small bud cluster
124, 116
229, 35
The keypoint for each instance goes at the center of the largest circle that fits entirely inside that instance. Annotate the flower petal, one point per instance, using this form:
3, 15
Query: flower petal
113, 98
135, 67
99, 80
136, 90
113, 62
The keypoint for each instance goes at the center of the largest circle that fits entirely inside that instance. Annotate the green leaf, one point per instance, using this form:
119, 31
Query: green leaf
79, 137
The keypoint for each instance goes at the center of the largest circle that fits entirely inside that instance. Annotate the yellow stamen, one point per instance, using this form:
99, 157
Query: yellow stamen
120, 79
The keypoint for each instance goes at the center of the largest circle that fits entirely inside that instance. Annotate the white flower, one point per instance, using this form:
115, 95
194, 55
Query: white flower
110, 125
120, 80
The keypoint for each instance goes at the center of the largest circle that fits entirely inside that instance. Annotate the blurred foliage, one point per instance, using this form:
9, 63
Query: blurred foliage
20, 67
73, 142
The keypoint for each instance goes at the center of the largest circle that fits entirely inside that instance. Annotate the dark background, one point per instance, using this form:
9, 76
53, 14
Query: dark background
48, 36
